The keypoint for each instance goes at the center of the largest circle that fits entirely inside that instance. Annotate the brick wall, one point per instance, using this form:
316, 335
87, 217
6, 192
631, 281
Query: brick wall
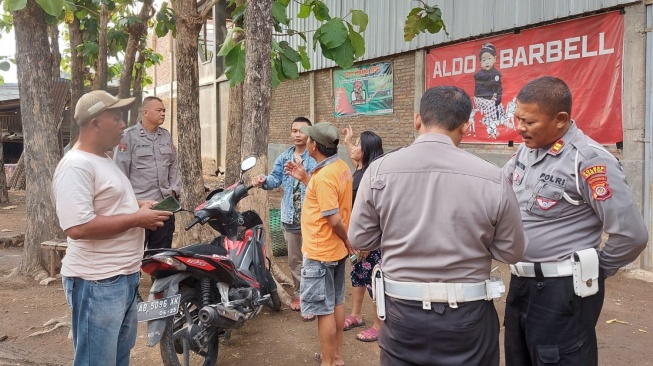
292, 99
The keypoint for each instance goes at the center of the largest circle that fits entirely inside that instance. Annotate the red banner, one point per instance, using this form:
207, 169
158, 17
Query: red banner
586, 53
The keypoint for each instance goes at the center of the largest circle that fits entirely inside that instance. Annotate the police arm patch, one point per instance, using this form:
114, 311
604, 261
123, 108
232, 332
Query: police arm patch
597, 179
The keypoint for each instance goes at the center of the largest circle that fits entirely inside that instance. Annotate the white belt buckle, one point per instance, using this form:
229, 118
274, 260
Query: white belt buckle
451, 295
426, 296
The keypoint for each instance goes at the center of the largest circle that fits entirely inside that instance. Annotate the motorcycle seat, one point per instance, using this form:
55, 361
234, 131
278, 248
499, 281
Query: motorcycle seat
206, 249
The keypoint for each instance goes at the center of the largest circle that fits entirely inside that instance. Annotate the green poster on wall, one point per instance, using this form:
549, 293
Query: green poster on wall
363, 90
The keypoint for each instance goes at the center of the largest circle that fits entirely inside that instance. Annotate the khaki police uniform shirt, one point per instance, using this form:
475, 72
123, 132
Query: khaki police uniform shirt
576, 169
438, 214
149, 161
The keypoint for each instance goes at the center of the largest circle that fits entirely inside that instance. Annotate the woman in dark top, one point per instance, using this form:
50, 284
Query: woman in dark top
367, 148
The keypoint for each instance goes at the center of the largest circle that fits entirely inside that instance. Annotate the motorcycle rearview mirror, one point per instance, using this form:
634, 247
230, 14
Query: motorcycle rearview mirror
248, 164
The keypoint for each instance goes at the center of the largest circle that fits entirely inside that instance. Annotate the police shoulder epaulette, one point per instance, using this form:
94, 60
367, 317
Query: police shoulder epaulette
130, 128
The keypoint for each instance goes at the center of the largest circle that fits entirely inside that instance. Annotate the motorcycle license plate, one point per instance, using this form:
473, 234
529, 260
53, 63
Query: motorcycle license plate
160, 308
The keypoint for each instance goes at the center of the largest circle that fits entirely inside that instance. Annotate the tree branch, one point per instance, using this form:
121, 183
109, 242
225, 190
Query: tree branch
205, 8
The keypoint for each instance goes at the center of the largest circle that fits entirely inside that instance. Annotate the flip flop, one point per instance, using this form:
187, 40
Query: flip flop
368, 335
352, 322
318, 357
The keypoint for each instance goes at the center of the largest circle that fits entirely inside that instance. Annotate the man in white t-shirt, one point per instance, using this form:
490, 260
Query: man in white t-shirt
105, 224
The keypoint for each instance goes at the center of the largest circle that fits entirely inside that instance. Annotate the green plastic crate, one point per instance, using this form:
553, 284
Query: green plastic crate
279, 248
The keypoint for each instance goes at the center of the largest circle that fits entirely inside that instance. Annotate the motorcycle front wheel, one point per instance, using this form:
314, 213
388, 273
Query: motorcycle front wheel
178, 344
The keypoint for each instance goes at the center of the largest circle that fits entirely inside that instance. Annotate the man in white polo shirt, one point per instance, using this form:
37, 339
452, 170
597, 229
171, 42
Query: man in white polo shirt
104, 223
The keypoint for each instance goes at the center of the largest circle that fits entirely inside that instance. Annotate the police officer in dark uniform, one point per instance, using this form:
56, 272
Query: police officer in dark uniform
148, 158
570, 190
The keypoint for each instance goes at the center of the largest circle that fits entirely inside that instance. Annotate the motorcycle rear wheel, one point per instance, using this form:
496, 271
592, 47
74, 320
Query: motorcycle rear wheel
176, 348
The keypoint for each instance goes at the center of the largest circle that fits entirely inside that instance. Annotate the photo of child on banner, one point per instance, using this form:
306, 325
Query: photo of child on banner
586, 53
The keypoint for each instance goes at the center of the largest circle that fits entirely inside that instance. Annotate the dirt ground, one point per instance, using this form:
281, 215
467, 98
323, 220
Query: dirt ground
272, 338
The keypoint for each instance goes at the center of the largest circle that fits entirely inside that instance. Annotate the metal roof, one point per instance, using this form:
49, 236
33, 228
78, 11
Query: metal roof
8, 91
463, 18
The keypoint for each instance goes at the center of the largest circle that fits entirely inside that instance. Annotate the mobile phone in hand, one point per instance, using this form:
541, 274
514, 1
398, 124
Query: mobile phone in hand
169, 203
353, 259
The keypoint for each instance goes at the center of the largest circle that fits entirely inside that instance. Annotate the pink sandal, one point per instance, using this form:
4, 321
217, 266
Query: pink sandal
352, 322
368, 335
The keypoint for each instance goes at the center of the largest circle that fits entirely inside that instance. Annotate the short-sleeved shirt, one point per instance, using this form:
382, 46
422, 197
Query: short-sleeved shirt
329, 192
85, 186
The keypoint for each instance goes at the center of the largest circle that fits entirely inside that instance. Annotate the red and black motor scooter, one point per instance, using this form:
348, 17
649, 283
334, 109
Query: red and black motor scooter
202, 291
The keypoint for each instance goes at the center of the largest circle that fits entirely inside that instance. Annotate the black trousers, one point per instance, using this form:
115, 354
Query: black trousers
548, 324
162, 236
468, 335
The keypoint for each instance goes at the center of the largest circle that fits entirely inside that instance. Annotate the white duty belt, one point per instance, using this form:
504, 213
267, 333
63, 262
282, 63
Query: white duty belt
549, 269
442, 292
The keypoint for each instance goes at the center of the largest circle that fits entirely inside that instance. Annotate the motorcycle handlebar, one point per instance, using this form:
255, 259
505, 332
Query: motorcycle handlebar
192, 223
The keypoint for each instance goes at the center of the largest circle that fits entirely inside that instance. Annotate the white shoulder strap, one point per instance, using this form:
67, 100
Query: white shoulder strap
565, 195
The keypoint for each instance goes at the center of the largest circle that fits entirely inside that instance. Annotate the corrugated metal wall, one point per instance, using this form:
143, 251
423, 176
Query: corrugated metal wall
463, 18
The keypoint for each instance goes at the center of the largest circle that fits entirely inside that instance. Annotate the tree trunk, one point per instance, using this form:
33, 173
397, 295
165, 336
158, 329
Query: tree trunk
235, 124
77, 75
53, 32
256, 109
34, 64
102, 67
136, 32
189, 24
138, 85
4, 195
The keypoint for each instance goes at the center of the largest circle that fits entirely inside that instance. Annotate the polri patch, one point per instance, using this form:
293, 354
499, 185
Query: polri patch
555, 149
545, 203
122, 147
601, 192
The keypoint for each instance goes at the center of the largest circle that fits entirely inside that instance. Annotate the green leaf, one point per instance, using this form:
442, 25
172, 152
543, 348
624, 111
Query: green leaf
316, 38
228, 44
161, 29
358, 43
13, 5
289, 68
275, 74
2, 80
411, 28
279, 13
359, 18
276, 47
291, 54
306, 62
4, 65
424, 23
435, 16
239, 13
435, 27
235, 61
52, 7
414, 12
333, 33
304, 11
321, 11
285, 2
343, 55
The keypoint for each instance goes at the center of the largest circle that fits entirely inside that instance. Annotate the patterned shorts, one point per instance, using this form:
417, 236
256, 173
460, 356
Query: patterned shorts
361, 272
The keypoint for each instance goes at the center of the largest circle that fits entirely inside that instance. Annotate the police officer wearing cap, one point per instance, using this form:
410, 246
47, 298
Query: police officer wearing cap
439, 215
570, 190
148, 158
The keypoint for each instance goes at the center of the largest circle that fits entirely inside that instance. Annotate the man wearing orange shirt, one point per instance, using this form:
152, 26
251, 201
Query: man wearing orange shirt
325, 220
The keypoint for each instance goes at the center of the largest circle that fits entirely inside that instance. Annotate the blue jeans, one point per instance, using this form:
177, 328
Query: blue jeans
104, 321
